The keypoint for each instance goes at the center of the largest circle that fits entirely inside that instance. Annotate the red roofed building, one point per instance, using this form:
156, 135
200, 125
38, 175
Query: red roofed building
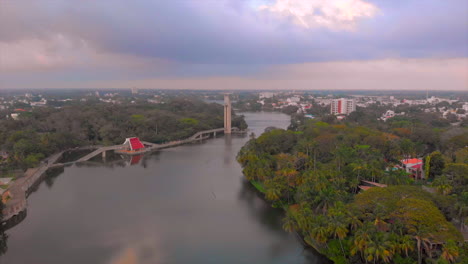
414, 166
134, 143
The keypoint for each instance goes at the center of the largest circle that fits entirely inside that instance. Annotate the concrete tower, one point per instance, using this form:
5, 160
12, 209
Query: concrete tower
227, 114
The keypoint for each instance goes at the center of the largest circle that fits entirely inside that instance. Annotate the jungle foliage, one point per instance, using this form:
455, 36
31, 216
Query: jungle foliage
46, 130
315, 173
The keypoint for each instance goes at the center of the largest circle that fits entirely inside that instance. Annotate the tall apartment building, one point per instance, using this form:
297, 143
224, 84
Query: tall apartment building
342, 106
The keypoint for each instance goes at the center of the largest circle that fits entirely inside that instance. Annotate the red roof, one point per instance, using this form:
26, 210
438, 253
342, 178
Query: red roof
135, 144
20, 110
417, 166
411, 161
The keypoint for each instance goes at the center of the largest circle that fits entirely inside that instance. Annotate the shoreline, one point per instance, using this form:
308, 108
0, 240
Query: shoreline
19, 189
304, 242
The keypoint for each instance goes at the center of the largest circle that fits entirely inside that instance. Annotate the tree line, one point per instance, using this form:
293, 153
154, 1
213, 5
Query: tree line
45, 130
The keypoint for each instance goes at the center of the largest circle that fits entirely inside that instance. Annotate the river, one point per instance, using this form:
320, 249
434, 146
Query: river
188, 204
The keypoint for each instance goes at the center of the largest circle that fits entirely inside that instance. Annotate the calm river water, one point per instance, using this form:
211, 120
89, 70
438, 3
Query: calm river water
188, 204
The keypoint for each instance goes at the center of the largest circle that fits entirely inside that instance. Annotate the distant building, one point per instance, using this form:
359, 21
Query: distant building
293, 100
133, 144
414, 166
465, 107
15, 116
42, 102
134, 90
387, 115
266, 95
342, 106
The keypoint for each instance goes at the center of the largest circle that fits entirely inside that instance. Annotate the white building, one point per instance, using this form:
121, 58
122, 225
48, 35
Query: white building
15, 116
266, 95
388, 114
42, 102
342, 106
293, 99
465, 107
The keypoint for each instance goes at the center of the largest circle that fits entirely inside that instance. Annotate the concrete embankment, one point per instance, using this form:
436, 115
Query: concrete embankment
19, 188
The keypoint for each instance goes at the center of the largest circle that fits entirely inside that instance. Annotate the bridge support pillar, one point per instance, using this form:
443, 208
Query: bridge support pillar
104, 155
214, 134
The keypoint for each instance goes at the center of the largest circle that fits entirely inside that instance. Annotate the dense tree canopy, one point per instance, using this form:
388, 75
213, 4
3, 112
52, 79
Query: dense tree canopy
314, 173
45, 130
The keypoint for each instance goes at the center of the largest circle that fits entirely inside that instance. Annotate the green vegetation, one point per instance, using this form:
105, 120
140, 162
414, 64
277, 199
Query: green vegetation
47, 130
315, 172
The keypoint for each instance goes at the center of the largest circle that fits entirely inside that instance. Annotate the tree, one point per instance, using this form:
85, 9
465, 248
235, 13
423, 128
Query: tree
379, 248
338, 223
289, 221
405, 244
450, 251
319, 229
396, 177
434, 165
362, 239
407, 148
442, 185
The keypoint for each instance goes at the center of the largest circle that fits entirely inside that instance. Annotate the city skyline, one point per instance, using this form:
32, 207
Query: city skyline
235, 45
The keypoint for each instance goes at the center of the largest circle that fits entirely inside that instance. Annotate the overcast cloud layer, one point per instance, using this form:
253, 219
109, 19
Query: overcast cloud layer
234, 44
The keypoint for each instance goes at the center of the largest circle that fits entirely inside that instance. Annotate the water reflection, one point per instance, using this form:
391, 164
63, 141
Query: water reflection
261, 210
187, 204
271, 219
135, 159
3, 242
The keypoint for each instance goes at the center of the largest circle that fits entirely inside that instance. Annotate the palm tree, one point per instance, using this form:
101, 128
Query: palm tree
338, 223
422, 242
289, 223
354, 221
325, 199
361, 240
405, 244
272, 193
375, 170
450, 251
319, 230
379, 248
339, 230
359, 168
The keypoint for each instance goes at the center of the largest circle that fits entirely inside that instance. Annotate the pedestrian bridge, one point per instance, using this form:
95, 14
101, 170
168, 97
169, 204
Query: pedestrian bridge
151, 146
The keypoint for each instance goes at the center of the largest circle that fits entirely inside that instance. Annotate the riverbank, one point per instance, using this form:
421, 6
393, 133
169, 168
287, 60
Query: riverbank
19, 189
172, 206
306, 242
17, 201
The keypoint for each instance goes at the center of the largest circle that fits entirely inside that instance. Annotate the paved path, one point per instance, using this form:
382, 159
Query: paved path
19, 188
99, 151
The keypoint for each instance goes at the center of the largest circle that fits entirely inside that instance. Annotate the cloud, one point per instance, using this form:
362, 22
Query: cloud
386, 74
331, 14
113, 43
28, 54
61, 52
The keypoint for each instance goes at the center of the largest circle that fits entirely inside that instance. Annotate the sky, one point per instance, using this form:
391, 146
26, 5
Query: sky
234, 44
